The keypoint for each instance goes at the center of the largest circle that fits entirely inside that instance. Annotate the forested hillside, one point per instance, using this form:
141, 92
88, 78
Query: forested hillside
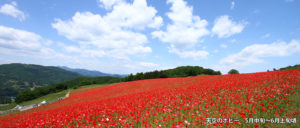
17, 77
182, 71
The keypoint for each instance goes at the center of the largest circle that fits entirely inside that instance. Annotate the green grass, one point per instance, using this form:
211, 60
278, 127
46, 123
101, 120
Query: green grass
7, 107
47, 98
291, 67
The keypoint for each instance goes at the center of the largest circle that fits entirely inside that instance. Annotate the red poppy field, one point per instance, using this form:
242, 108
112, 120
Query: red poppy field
267, 99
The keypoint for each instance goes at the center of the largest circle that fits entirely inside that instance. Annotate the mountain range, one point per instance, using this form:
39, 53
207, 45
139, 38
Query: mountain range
90, 73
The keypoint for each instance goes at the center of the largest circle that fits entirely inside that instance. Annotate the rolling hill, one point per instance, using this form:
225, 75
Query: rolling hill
16, 77
297, 66
199, 101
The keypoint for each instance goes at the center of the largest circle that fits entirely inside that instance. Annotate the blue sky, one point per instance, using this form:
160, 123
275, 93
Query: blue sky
119, 36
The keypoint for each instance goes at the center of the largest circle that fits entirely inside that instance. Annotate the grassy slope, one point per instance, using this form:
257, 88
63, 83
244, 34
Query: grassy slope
47, 98
50, 97
7, 107
291, 67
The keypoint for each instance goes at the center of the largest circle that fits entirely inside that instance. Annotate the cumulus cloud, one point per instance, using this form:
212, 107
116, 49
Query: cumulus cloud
82, 52
11, 38
255, 53
185, 30
12, 10
225, 27
137, 15
114, 34
26, 46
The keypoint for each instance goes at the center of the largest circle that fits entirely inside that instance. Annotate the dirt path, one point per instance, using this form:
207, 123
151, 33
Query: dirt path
67, 95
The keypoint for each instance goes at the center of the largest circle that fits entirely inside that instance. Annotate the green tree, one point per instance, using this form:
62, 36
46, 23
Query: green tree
130, 77
181, 71
5, 100
139, 76
233, 71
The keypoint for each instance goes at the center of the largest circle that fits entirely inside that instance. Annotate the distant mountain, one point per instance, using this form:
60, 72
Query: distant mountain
90, 73
17, 77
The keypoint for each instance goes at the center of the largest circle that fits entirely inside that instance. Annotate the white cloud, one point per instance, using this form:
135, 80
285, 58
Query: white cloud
114, 33
148, 64
232, 5
255, 53
185, 30
12, 10
108, 4
137, 15
223, 46
69, 48
26, 46
11, 38
141, 66
225, 27
194, 54
83, 52
158, 22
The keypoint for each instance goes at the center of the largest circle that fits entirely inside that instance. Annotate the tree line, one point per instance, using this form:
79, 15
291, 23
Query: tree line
72, 84
182, 71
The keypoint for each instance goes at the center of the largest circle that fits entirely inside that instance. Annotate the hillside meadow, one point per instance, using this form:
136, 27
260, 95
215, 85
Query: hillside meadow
265, 99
